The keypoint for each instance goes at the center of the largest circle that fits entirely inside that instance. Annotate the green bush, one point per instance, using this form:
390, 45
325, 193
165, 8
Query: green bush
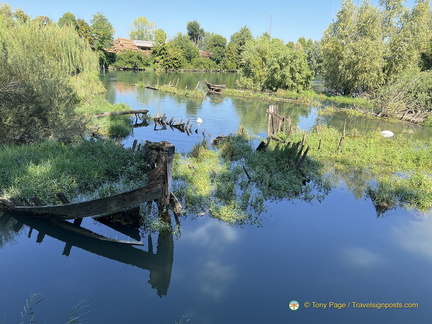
132, 60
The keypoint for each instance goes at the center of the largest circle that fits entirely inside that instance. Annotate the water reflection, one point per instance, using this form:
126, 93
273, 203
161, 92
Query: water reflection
159, 264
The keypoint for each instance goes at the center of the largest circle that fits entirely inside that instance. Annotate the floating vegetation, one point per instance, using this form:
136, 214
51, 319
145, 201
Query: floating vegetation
232, 181
414, 191
359, 160
169, 88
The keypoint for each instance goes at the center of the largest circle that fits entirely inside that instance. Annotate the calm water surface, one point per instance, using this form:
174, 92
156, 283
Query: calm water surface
336, 250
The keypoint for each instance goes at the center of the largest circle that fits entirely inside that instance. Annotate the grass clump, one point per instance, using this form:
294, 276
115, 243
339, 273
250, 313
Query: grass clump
112, 126
412, 191
84, 170
362, 159
232, 182
193, 93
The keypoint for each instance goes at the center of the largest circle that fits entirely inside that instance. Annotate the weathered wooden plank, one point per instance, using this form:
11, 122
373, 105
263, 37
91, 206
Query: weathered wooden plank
97, 207
126, 112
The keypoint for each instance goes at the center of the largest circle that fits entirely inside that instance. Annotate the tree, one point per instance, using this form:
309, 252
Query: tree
271, 65
21, 16
216, 45
237, 45
368, 46
407, 37
102, 32
142, 29
188, 48
84, 30
68, 19
195, 32
159, 51
315, 60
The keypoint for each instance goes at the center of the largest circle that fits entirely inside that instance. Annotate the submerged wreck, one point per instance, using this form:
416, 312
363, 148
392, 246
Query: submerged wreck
158, 189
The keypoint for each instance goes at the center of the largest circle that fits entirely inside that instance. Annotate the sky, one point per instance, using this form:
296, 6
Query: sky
285, 19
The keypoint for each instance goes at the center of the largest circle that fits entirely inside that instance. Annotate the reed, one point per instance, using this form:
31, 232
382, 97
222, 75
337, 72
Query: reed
46, 70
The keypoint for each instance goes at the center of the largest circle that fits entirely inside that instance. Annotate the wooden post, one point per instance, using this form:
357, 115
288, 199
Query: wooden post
272, 123
342, 138
299, 164
134, 145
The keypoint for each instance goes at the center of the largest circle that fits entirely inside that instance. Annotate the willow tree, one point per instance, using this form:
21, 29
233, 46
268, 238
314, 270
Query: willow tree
353, 50
271, 65
368, 46
45, 71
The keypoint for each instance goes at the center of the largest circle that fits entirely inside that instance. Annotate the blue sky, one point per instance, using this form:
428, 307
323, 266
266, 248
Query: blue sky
289, 19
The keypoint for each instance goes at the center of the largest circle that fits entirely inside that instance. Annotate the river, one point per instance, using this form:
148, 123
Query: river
335, 256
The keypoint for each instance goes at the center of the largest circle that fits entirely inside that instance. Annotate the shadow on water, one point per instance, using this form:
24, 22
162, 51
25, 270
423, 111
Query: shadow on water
159, 264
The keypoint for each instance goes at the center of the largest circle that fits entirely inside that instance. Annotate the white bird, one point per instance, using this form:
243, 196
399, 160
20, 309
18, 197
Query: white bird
387, 133
199, 120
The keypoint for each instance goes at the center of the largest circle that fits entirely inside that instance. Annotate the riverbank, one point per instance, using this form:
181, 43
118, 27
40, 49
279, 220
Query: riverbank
349, 105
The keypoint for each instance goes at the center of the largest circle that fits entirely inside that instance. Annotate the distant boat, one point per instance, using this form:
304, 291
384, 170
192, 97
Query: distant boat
215, 88
387, 133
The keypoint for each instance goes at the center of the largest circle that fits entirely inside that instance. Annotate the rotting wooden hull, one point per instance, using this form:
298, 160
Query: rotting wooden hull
93, 208
215, 88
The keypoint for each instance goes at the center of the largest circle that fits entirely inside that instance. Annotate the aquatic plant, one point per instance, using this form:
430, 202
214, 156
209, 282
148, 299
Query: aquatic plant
372, 157
232, 181
28, 309
75, 316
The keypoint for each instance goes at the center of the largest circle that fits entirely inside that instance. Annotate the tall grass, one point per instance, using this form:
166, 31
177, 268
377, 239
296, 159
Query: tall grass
45, 71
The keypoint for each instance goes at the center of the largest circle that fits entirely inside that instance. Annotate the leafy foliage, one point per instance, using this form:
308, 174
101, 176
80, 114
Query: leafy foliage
367, 46
102, 31
142, 29
68, 19
188, 48
409, 92
195, 32
216, 45
132, 60
270, 65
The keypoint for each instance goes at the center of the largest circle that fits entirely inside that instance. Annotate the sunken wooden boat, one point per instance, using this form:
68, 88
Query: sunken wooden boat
159, 179
215, 88
91, 208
